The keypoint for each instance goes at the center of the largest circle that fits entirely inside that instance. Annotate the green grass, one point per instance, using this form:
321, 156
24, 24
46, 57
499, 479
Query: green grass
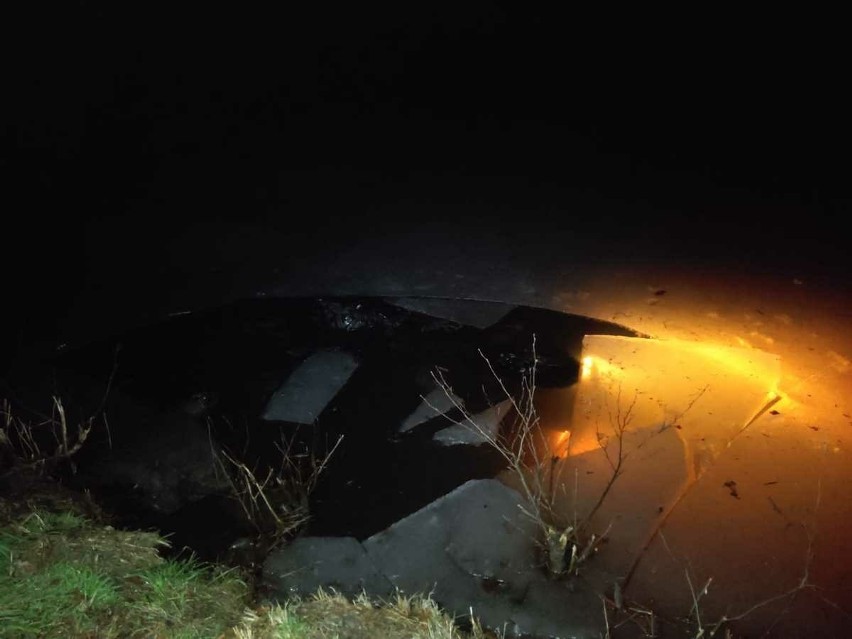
63, 576
61, 599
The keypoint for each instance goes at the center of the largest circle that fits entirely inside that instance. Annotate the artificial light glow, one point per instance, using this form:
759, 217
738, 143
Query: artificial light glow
750, 363
583, 444
562, 443
602, 366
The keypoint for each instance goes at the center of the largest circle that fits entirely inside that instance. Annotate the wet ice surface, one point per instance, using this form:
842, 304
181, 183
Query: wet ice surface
475, 548
310, 563
471, 549
784, 465
436, 403
485, 427
709, 394
680, 407
310, 388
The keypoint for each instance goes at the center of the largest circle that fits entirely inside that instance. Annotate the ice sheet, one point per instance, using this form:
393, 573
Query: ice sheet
311, 387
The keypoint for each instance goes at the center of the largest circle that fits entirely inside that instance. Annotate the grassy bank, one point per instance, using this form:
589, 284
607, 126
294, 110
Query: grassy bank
65, 575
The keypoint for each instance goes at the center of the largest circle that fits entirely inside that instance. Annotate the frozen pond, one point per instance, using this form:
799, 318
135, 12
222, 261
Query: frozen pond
710, 447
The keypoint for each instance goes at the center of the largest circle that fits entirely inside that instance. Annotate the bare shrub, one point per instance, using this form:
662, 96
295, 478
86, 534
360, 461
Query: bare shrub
538, 468
275, 502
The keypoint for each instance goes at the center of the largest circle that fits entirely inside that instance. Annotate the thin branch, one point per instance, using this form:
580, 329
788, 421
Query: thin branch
619, 427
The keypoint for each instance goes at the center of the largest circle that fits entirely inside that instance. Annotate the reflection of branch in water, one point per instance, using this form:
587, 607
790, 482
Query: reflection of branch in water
804, 583
619, 423
790, 595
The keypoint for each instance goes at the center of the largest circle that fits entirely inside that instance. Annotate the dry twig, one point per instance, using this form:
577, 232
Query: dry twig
276, 505
22, 448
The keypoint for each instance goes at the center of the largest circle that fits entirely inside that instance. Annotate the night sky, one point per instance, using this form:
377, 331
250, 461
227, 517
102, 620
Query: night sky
308, 120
